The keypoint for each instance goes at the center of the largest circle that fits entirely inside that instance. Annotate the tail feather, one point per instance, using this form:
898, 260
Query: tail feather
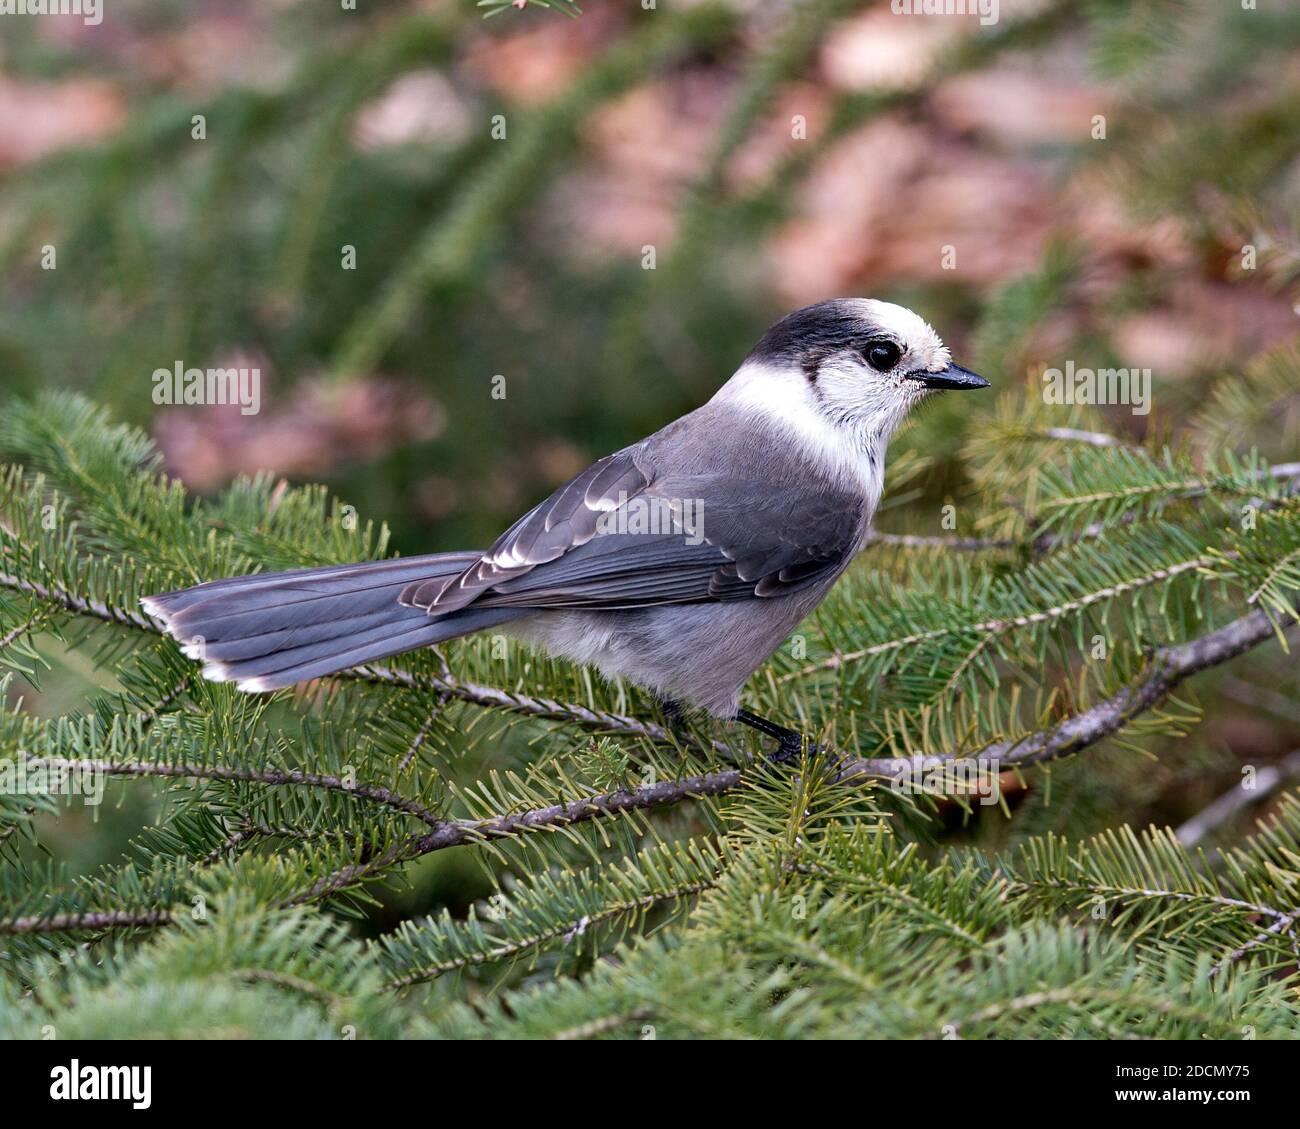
240, 615
298, 593
338, 654
265, 632
433, 564
251, 646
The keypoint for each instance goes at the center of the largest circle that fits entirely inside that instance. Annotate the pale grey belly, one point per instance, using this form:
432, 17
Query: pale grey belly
700, 653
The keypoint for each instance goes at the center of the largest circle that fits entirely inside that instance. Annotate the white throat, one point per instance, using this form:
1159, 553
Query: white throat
849, 452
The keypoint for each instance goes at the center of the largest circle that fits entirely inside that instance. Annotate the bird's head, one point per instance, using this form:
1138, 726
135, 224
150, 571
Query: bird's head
858, 363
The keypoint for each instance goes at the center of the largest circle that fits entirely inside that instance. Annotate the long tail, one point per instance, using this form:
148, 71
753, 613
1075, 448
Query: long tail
268, 631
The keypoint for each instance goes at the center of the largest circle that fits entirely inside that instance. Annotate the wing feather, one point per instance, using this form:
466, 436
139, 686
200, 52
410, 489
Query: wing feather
764, 536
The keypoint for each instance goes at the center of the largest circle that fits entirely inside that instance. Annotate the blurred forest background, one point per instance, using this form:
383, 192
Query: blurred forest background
758, 155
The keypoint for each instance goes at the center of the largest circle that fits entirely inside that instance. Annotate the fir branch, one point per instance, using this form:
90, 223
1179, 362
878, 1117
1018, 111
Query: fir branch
990, 627
1166, 670
1267, 780
1076, 435
96, 920
1169, 667
1159, 884
80, 605
1117, 483
267, 776
566, 930
455, 833
961, 544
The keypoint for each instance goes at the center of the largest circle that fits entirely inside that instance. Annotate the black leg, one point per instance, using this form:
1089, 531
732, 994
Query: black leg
791, 743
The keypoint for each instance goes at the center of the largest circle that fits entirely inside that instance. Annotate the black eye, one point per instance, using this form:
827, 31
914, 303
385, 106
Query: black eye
882, 355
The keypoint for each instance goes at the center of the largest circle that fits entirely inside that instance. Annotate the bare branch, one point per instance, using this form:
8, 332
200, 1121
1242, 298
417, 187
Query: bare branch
74, 603
1267, 781
268, 776
455, 833
1074, 435
961, 544
1003, 626
1169, 667
93, 919
508, 949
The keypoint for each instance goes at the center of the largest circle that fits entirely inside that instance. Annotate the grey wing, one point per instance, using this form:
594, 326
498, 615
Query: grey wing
567, 519
747, 540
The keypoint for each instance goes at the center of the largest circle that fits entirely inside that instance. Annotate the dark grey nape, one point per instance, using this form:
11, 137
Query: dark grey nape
812, 333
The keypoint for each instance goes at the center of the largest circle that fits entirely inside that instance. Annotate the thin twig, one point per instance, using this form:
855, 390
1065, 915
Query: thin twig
602, 1026
1263, 698
91, 919
30, 624
919, 541
269, 776
154, 712
249, 830
1075, 435
417, 743
455, 833
567, 930
1012, 623
494, 697
1266, 781
1284, 924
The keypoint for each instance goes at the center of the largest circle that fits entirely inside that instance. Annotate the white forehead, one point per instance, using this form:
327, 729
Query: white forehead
909, 328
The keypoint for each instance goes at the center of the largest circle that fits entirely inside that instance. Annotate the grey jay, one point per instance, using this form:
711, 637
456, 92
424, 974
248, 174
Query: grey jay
679, 563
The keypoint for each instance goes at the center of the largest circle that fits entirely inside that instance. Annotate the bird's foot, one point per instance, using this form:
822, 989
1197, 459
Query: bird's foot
790, 743
792, 746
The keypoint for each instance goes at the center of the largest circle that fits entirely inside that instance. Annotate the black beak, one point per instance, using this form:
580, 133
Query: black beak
954, 376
